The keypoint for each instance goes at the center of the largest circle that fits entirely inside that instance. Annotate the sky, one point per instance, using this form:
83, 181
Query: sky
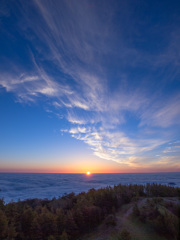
89, 85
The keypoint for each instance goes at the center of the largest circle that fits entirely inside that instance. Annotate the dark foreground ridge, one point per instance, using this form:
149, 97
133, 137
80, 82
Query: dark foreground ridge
122, 212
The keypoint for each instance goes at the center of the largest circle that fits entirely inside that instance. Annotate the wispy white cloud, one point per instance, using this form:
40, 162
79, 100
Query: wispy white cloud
114, 145
162, 113
72, 118
29, 87
171, 161
172, 148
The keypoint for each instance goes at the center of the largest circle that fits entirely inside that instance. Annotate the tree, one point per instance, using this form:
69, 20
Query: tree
3, 225
26, 221
136, 211
64, 236
60, 220
47, 223
12, 231
124, 235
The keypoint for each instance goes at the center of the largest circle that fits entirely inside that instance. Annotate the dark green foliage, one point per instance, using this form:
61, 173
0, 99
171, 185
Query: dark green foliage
27, 218
124, 235
110, 220
164, 221
71, 226
172, 207
2, 204
158, 190
60, 220
136, 211
51, 237
64, 236
3, 225
70, 216
47, 223
11, 231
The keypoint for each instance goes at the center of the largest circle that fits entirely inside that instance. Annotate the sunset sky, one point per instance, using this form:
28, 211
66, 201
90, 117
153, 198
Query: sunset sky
89, 86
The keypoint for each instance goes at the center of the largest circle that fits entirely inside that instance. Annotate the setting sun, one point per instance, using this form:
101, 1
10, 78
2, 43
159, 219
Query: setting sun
88, 173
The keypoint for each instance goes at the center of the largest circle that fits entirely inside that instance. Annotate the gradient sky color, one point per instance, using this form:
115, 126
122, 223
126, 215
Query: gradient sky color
89, 86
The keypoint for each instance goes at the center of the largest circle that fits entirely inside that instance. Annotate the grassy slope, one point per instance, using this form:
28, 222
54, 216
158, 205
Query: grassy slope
125, 220
139, 230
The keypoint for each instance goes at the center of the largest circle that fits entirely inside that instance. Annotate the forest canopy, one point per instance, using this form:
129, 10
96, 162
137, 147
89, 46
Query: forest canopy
71, 216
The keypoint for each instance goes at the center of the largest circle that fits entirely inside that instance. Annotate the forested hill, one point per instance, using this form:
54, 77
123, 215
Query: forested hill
71, 216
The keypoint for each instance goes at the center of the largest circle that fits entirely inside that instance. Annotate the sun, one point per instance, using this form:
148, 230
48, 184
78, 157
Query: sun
88, 173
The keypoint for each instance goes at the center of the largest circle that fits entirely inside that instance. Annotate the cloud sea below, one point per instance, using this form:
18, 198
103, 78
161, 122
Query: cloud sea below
20, 186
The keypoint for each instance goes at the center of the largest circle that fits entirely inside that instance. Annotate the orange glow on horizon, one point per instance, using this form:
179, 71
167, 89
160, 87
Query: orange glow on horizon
80, 166
25, 170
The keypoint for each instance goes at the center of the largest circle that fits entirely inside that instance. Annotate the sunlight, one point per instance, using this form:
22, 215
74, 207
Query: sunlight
88, 173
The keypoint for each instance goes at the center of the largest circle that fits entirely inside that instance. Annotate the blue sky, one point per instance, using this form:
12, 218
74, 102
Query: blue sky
89, 85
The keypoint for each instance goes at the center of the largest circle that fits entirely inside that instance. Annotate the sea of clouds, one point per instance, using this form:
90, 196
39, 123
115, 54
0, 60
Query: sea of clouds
20, 186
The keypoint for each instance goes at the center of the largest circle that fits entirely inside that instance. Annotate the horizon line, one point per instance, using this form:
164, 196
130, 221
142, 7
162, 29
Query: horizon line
91, 172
